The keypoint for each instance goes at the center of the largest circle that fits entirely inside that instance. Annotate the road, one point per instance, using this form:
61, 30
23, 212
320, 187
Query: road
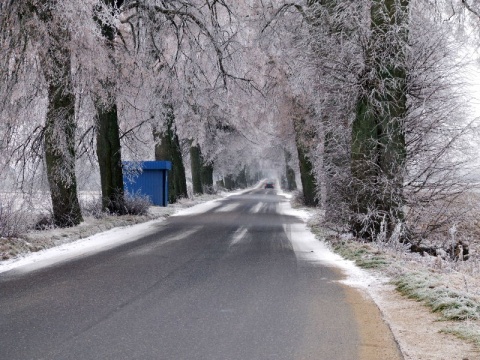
225, 284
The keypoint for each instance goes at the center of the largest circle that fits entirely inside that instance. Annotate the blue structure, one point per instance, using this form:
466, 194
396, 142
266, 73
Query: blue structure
148, 178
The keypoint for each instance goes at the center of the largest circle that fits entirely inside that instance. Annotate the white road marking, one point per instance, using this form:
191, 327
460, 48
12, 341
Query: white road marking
144, 250
238, 236
256, 209
228, 208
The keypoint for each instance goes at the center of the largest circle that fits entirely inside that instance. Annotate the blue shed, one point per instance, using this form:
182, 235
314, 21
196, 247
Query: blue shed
147, 178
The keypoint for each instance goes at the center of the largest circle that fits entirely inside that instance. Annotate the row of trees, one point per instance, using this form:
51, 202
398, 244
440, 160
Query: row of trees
377, 104
81, 80
364, 100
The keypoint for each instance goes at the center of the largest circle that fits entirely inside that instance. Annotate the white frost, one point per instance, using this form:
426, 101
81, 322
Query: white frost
311, 250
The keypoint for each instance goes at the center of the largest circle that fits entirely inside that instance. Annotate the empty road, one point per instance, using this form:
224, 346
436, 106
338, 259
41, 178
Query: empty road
225, 284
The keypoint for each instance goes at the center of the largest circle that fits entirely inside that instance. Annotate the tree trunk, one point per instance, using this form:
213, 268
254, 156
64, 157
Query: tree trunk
309, 184
59, 145
108, 133
59, 140
229, 182
378, 150
168, 148
196, 162
207, 177
291, 184
110, 160
241, 180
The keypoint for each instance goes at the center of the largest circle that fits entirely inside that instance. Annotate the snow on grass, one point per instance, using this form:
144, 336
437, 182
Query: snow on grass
470, 333
80, 248
428, 288
101, 241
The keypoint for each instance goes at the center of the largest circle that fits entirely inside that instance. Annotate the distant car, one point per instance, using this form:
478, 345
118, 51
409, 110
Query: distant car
269, 185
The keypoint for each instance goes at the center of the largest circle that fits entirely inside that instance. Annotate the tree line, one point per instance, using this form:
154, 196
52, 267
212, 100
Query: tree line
363, 100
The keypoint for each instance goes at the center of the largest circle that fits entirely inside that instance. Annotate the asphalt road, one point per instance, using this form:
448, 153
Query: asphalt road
221, 285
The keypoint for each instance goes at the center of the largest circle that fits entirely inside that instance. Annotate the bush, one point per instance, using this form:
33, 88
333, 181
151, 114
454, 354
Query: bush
137, 204
209, 190
44, 222
12, 222
93, 207
131, 204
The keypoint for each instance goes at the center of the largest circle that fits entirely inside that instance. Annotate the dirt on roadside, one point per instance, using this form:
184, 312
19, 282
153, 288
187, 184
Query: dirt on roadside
377, 341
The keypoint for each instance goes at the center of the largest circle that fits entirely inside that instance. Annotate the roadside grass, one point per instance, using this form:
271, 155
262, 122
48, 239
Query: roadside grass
470, 333
428, 286
26, 239
362, 254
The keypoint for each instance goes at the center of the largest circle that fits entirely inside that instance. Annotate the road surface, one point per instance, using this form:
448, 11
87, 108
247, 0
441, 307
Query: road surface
222, 285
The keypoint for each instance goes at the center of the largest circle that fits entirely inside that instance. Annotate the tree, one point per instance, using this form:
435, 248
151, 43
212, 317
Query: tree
40, 29
108, 134
378, 131
291, 183
303, 136
59, 138
196, 166
386, 123
168, 148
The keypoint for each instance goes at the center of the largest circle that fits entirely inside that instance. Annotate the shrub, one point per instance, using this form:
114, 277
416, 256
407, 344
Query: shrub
137, 204
93, 207
132, 204
12, 222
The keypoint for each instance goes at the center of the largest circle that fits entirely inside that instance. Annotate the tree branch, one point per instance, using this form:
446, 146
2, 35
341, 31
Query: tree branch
470, 8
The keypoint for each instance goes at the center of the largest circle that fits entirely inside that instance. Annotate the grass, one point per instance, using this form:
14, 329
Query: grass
424, 287
467, 333
427, 288
363, 256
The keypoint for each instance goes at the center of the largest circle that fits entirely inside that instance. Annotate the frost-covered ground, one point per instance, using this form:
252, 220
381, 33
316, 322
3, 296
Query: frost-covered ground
419, 332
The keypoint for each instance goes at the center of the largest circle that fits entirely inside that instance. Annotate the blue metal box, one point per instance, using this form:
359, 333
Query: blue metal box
148, 178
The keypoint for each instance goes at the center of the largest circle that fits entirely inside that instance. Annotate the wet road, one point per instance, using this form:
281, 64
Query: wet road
225, 284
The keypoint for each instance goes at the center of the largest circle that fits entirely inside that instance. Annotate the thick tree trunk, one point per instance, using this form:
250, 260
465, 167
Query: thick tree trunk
229, 182
241, 180
59, 145
108, 133
309, 183
378, 137
59, 140
168, 148
196, 162
110, 160
207, 177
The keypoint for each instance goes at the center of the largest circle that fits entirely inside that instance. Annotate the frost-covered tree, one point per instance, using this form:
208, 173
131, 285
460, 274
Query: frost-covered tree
378, 145
107, 122
34, 33
386, 121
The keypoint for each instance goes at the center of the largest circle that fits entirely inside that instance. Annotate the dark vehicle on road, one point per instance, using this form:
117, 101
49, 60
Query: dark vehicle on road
269, 185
